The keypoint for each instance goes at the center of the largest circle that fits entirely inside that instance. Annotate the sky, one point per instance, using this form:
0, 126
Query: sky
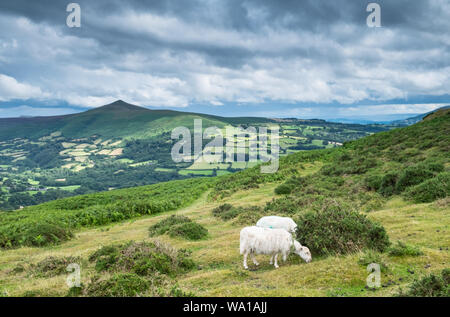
284, 58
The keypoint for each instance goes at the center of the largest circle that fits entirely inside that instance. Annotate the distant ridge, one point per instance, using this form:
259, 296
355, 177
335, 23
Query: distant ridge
117, 119
417, 118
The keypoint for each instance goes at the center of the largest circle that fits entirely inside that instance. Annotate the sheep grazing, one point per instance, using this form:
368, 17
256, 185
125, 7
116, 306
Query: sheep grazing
257, 240
275, 222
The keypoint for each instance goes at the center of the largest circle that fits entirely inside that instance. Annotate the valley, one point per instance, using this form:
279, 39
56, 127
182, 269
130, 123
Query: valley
122, 145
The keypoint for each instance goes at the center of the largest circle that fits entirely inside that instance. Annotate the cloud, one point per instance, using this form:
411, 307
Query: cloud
25, 110
10, 88
181, 54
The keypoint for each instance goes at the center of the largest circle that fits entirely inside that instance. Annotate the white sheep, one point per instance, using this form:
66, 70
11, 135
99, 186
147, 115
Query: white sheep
276, 222
257, 240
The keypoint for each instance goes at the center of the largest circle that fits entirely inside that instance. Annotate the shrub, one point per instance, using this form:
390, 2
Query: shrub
38, 234
131, 285
387, 185
164, 225
430, 190
373, 182
243, 214
105, 257
359, 165
283, 205
402, 249
250, 216
118, 285
226, 212
19, 268
284, 189
75, 291
221, 210
417, 174
52, 266
144, 258
335, 231
290, 185
430, 286
189, 230
179, 226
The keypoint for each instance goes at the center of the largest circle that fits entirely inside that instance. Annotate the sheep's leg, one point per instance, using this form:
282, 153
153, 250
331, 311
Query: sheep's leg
254, 260
245, 260
276, 263
284, 256
271, 258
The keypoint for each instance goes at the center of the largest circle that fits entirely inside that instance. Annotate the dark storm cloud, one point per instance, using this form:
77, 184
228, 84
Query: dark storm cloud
292, 15
177, 53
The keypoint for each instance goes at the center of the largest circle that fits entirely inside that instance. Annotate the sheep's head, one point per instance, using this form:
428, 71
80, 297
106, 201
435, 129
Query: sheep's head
293, 230
302, 252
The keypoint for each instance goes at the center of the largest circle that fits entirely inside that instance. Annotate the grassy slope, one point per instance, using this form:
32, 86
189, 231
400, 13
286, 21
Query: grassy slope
221, 273
218, 255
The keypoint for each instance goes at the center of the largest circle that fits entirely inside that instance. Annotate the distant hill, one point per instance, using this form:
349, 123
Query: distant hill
118, 119
415, 119
393, 119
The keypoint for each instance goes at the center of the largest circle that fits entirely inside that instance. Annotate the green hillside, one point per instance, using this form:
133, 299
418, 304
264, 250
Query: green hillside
118, 120
121, 145
383, 199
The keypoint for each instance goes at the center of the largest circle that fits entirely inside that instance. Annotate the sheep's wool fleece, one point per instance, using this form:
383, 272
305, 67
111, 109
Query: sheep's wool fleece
276, 222
264, 240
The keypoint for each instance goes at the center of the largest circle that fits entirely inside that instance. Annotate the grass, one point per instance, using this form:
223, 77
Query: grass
218, 257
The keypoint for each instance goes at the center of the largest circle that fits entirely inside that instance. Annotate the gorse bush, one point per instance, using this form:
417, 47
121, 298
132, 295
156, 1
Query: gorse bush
143, 258
395, 182
33, 234
179, 226
430, 190
402, 249
249, 216
133, 285
118, 285
54, 222
336, 231
284, 189
388, 184
164, 225
226, 212
242, 214
430, 286
189, 230
52, 266
358, 165
293, 183
417, 174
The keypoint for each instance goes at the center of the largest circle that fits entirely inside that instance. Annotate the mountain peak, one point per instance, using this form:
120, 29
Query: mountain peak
119, 106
